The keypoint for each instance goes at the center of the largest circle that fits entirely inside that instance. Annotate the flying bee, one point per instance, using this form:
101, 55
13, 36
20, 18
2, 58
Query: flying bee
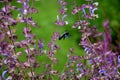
64, 35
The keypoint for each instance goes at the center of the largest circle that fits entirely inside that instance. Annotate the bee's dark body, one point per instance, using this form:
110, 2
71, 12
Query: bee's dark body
64, 35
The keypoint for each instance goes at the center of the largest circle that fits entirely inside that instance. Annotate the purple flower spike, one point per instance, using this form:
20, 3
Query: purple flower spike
3, 74
106, 23
107, 36
55, 36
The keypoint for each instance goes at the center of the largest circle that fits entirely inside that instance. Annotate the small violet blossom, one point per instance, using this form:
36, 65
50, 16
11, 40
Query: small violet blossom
61, 23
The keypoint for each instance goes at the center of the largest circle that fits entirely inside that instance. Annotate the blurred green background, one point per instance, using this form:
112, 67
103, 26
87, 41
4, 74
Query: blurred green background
48, 10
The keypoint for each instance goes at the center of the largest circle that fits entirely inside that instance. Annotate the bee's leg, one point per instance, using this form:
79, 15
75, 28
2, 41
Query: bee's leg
60, 38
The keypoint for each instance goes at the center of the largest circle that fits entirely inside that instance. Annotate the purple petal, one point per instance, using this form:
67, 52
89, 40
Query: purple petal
79, 64
3, 74
93, 10
118, 58
41, 45
64, 17
84, 11
106, 23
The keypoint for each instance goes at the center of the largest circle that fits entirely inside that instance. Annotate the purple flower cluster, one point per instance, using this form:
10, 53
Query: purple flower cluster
61, 18
9, 45
99, 62
92, 8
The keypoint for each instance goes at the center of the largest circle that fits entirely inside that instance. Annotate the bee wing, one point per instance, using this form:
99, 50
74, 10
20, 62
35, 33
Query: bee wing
60, 37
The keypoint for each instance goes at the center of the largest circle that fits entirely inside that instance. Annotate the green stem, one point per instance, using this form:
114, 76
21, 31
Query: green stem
31, 70
65, 65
